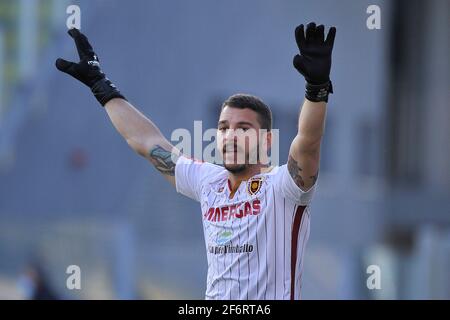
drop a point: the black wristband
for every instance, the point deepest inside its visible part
(104, 90)
(318, 92)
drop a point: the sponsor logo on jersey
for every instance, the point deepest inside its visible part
(228, 212)
(224, 237)
(228, 248)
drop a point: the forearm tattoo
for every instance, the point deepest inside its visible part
(294, 170)
(162, 160)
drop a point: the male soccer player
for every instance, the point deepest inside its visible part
(255, 218)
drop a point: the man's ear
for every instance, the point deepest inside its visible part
(266, 137)
(269, 140)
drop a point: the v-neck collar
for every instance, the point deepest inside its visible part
(237, 189)
(228, 183)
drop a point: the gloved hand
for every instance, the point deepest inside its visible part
(88, 70)
(314, 60)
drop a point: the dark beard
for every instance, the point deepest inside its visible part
(237, 169)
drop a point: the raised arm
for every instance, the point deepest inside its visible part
(143, 136)
(140, 132)
(314, 63)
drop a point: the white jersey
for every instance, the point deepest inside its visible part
(255, 241)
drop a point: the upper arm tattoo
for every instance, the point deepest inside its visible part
(314, 177)
(294, 170)
(162, 160)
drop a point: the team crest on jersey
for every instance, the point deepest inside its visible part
(254, 185)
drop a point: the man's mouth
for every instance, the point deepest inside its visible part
(230, 149)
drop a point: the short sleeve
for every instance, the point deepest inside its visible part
(286, 185)
(190, 175)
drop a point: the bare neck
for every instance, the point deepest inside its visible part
(236, 178)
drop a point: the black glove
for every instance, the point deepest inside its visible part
(314, 60)
(88, 70)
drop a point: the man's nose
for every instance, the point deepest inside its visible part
(230, 134)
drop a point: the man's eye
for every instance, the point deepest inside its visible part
(222, 128)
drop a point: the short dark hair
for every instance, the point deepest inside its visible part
(247, 101)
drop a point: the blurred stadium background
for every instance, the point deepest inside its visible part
(72, 192)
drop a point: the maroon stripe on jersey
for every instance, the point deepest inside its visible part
(294, 243)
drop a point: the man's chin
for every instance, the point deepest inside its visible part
(235, 168)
